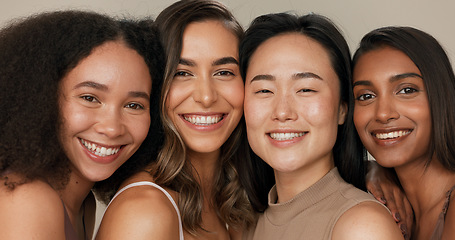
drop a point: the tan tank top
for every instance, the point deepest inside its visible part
(437, 233)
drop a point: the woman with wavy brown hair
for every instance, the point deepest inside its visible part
(201, 107)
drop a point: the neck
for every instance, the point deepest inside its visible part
(289, 184)
(204, 167)
(74, 194)
(425, 186)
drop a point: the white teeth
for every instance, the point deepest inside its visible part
(100, 151)
(285, 136)
(203, 120)
(391, 135)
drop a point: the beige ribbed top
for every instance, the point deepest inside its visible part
(311, 214)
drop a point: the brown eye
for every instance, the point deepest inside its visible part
(365, 97)
(89, 98)
(135, 106)
(408, 90)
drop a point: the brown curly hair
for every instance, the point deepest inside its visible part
(35, 54)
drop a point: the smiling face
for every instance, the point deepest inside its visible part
(391, 113)
(105, 105)
(292, 104)
(205, 100)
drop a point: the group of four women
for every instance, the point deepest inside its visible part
(191, 128)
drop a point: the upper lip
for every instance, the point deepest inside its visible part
(102, 145)
(203, 114)
(388, 130)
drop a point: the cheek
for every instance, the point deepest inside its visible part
(139, 128)
(320, 111)
(75, 119)
(177, 94)
(360, 117)
(254, 111)
(234, 93)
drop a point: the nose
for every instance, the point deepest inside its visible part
(205, 91)
(386, 110)
(110, 123)
(283, 109)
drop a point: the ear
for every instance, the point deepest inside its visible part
(342, 112)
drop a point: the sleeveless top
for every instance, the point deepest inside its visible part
(437, 233)
(70, 233)
(147, 183)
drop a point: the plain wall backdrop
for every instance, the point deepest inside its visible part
(354, 17)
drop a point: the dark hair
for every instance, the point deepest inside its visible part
(172, 170)
(438, 77)
(348, 151)
(35, 55)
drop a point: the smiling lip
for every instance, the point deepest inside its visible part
(204, 121)
(101, 153)
(285, 138)
(388, 137)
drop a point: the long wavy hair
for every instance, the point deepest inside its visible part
(437, 74)
(35, 55)
(348, 151)
(172, 169)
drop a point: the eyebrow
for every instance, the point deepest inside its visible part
(217, 62)
(392, 79)
(296, 76)
(225, 60)
(91, 84)
(104, 88)
(187, 62)
(404, 75)
(138, 94)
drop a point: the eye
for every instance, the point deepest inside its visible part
(181, 74)
(135, 106)
(263, 91)
(224, 73)
(408, 90)
(365, 97)
(89, 98)
(305, 90)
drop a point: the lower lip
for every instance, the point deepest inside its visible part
(286, 143)
(205, 128)
(99, 159)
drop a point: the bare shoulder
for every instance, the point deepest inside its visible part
(32, 210)
(138, 213)
(367, 220)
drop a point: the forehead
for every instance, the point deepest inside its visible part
(209, 36)
(291, 53)
(383, 62)
(111, 63)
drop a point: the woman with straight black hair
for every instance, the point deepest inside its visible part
(404, 87)
(298, 112)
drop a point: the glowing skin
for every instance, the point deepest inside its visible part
(105, 104)
(292, 107)
(391, 114)
(205, 100)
